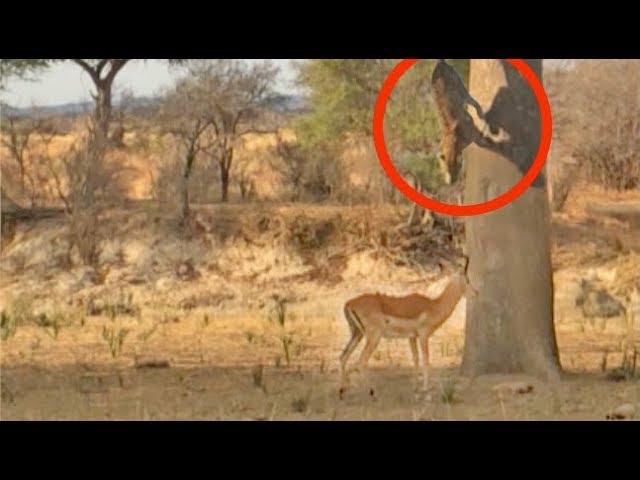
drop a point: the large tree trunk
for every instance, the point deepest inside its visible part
(509, 326)
(103, 109)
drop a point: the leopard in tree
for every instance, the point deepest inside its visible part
(459, 129)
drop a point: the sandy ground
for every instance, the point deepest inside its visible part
(192, 368)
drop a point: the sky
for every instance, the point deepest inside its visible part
(67, 83)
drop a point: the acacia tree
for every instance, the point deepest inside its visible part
(21, 68)
(102, 73)
(509, 324)
(235, 95)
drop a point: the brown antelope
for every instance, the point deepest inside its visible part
(415, 317)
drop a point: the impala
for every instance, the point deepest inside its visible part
(415, 317)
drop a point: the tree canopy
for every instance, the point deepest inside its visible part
(19, 68)
(342, 95)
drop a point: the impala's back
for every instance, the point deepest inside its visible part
(393, 317)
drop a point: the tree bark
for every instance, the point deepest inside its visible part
(103, 85)
(184, 200)
(103, 108)
(509, 327)
(224, 185)
(225, 173)
(185, 210)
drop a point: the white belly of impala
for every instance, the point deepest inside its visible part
(400, 328)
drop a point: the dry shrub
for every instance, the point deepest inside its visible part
(93, 183)
(83, 213)
(166, 181)
(596, 107)
(561, 189)
(84, 235)
(310, 173)
(310, 234)
(19, 312)
(614, 166)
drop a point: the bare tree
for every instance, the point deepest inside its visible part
(235, 95)
(17, 133)
(186, 117)
(292, 164)
(597, 112)
(21, 68)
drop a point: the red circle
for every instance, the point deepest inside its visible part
(462, 210)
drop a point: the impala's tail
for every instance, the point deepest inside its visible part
(355, 324)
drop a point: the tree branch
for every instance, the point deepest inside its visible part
(101, 64)
(87, 68)
(116, 66)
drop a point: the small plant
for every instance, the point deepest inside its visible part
(448, 390)
(603, 364)
(115, 339)
(287, 341)
(7, 325)
(52, 324)
(122, 304)
(301, 404)
(629, 362)
(22, 309)
(627, 369)
(249, 336)
(19, 312)
(6, 394)
(146, 335)
(279, 310)
(257, 373)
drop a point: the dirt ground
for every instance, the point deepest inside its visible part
(213, 372)
(216, 347)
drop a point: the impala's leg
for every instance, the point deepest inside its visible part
(414, 352)
(356, 336)
(373, 339)
(424, 344)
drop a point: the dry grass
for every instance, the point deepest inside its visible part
(213, 371)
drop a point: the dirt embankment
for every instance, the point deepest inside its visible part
(241, 254)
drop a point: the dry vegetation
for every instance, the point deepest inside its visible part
(241, 319)
(236, 314)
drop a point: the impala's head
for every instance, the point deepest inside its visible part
(459, 275)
